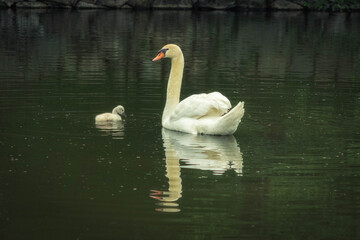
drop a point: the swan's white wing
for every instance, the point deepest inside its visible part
(201, 105)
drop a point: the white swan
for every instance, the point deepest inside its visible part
(116, 115)
(199, 113)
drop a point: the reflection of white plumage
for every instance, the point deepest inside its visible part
(115, 115)
(200, 113)
(215, 153)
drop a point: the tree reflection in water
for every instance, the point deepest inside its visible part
(215, 153)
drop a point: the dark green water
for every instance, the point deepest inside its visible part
(291, 171)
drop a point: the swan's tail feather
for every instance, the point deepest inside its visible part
(232, 119)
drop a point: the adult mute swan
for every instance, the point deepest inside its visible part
(199, 113)
(116, 115)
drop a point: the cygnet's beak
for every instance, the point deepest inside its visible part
(123, 114)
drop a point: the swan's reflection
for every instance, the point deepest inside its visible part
(215, 153)
(115, 129)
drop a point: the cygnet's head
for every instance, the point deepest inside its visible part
(119, 110)
(168, 51)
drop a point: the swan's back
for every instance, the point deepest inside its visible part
(205, 114)
(107, 117)
(201, 105)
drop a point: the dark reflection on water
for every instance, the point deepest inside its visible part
(63, 177)
(115, 129)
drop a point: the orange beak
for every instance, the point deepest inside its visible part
(159, 56)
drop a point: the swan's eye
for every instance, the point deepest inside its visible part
(164, 50)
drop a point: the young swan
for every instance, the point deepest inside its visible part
(116, 115)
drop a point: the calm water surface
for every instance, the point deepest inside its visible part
(291, 171)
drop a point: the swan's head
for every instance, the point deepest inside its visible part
(168, 51)
(119, 110)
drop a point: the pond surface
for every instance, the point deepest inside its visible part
(290, 171)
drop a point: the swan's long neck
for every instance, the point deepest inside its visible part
(174, 84)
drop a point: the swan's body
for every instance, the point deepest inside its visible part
(114, 116)
(200, 113)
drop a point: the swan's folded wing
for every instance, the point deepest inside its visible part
(201, 105)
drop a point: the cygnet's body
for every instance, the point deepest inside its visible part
(116, 115)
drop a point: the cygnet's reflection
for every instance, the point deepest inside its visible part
(215, 153)
(115, 129)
